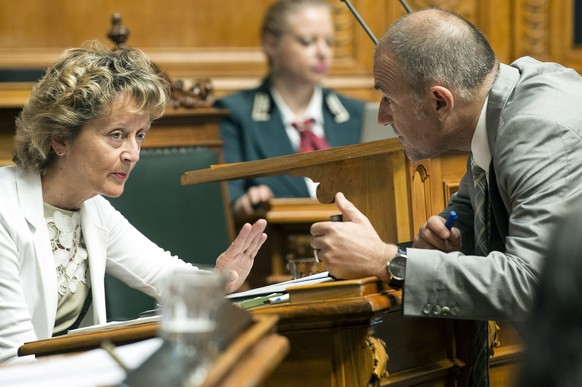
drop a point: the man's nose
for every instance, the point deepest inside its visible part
(385, 114)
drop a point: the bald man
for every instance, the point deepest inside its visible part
(443, 89)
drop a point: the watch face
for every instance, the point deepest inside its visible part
(398, 267)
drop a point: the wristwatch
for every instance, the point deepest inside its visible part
(397, 269)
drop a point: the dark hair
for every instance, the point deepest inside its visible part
(81, 86)
(437, 46)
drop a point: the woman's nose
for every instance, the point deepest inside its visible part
(324, 49)
(131, 151)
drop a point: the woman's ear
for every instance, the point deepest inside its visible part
(267, 46)
(443, 101)
(59, 145)
(270, 47)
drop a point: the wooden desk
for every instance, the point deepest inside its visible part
(288, 220)
(372, 175)
(296, 210)
(333, 342)
(396, 195)
(90, 340)
(372, 167)
(330, 332)
(246, 362)
(334, 328)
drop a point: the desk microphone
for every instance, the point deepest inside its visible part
(361, 21)
(406, 7)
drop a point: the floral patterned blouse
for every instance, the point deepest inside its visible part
(70, 256)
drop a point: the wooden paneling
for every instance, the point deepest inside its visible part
(152, 23)
(187, 39)
(220, 39)
(7, 130)
(433, 182)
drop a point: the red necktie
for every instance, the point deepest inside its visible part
(309, 141)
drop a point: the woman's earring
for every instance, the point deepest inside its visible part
(60, 153)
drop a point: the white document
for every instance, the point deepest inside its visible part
(90, 369)
(115, 324)
(281, 287)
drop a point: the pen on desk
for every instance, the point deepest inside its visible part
(110, 349)
(451, 219)
(280, 298)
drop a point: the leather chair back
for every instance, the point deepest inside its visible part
(193, 222)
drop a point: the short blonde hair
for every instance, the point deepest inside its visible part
(83, 85)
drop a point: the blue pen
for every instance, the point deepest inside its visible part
(451, 220)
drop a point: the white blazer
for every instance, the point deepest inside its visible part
(28, 288)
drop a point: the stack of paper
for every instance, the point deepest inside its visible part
(276, 293)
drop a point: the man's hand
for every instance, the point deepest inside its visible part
(352, 248)
(434, 235)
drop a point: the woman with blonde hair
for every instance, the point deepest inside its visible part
(78, 138)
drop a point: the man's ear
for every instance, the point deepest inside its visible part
(443, 101)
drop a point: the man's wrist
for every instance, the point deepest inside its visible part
(388, 254)
(396, 269)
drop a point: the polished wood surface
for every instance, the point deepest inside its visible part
(288, 223)
(332, 338)
(394, 193)
(228, 50)
(328, 341)
(331, 332)
(373, 176)
(389, 190)
(251, 357)
(433, 181)
(180, 39)
(372, 167)
(89, 340)
(187, 127)
(295, 210)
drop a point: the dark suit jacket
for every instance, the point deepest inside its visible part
(254, 130)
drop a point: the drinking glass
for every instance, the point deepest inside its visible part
(191, 300)
(302, 267)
